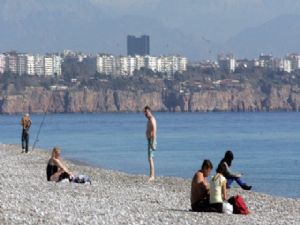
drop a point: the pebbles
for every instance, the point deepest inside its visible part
(115, 197)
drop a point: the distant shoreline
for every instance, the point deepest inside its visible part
(140, 112)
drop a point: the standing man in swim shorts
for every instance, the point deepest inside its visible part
(151, 139)
(26, 123)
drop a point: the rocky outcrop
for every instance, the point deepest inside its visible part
(246, 98)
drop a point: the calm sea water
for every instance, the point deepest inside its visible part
(266, 145)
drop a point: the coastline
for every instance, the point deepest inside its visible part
(115, 197)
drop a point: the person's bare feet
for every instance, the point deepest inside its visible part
(151, 179)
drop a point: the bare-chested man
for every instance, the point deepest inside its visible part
(151, 139)
(200, 188)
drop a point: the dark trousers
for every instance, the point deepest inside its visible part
(201, 206)
(204, 206)
(25, 140)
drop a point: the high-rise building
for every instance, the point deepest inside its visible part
(106, 64)
(12, 59)
(39, 66)
(48, 63)
(295, 61)
(2, 63)
(30, 65)
(138, 45)
(151, 63)
(21, 64)
(57, 61)
(126, 65)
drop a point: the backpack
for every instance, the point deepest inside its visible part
(239, 205)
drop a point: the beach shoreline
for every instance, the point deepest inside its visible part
(115, 197)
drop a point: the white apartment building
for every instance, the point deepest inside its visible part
(131, 65)
(2, 63)
(159, 64)
(12, 60)
(57, 61)
(151, 62)
(295, 61)
(283, 65)
(52, 65)
(167, 64)
(21, 64)
(126, 65)
(140, 62)
(48, 64)
(106, 64)
(30, 65)
(39, 66)
(182, 64)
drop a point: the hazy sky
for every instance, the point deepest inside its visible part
(216, 19)
(199, 22)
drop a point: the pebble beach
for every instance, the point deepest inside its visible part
(115, 197)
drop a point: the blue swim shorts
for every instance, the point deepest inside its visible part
(151, 147)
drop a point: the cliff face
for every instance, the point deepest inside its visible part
(37, 100)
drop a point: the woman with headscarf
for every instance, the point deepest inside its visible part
(230, 175)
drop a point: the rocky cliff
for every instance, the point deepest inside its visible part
(246, 98)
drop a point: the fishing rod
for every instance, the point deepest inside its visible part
(42, 123)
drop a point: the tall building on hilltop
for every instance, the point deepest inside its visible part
(138, 45)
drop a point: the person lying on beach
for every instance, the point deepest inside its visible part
(218, 191)
(56, 169)
(200, 188)
(229, 175)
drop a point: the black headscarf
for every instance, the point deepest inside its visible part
(228, 158)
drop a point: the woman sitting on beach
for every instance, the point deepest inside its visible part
(218, 191)
(56, 170)
(200, 188)
(228, 174)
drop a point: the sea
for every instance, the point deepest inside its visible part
(265, 144)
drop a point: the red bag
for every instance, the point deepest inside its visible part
(239, 205)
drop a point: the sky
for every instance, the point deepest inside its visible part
(204, 17)
(204, 24)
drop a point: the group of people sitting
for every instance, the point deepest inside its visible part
(209, 196)
(205, 196)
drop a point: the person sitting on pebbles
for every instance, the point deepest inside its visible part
(225, 163)
(200, 188)
(56, 169)
(218, 191)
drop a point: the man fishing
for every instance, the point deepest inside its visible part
(26, 123)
